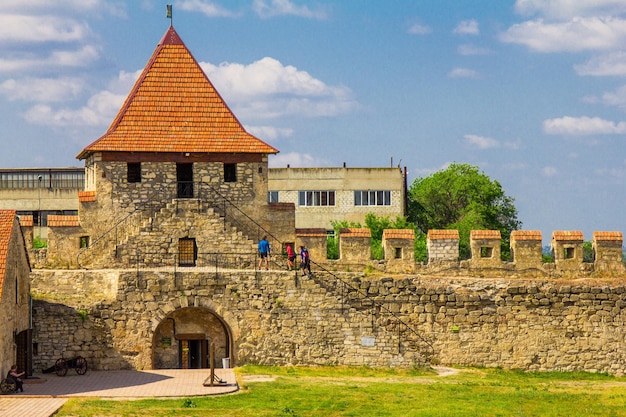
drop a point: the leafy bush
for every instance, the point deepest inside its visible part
(332, 247)
(39, 243)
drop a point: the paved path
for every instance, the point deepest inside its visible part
(44, 395)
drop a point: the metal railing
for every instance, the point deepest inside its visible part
(122, 228)
(226, 263)
(354, 294)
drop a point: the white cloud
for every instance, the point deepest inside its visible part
(566, 9)
(613, 64)
(101, 108)
(468, 50)
(23, 28)
(285, 7)
(124, 81)
(268, 89)
(617, 98)
(549, 171)
(269, 133)
(295, 159)
(463, 73)
(578, 34)
(482, 142)
(77, 58)
(419, 29)
(579, 126)
(467, 27)
(115, 8)
(42, 90)
(208, 8)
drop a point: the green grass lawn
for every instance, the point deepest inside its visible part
(355, 391)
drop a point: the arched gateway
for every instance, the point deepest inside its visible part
(182, 340)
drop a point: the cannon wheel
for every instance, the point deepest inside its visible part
(7, 386)
(60, 367)
(81, 365)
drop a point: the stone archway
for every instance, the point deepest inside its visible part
(183, 338)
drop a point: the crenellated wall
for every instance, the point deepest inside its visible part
(276, 318)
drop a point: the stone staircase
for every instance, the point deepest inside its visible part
(153, 242)
(353, 302)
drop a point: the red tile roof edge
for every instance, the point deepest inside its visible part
(355, 232)
(485, 234)
(55, 220)
(442, 234)
(575, 235)
(608, 236)
(26, 220)
(398, 234)
(526, 235)
(86, 196)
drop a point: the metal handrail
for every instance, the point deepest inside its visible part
(374, 302)
(115, 227)
(202, 187)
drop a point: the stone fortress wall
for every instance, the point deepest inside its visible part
(568, 315)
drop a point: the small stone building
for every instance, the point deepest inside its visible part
(567, 249)
(607, 251)
(355, 245)
(399, 250)
(485, 247)
(443, 246)
(15, 334)
(526, 250)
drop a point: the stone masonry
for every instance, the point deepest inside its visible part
(275, 318)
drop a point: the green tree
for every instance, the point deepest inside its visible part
(463, 198)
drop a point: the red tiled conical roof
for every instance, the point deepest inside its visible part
(173, 107)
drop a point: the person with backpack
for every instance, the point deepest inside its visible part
(305, 261)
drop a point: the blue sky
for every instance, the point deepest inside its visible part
(531, 91)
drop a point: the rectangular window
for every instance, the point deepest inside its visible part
(316, 198)
(42, 179)
(84, 242)
(133, 173)
(230, 172)
(272, 196)
(372, 198)
(187, 252)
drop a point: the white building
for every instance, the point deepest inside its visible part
(322, 195)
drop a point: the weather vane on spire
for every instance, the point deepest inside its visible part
(169, 13)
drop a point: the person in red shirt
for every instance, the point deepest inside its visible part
(291, 258)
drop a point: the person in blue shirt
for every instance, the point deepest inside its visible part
(264, 252)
